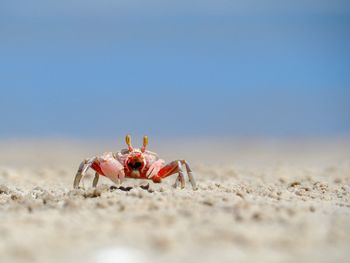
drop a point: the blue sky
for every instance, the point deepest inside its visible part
(174, 68)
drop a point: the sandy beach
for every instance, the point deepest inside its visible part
(258, 201)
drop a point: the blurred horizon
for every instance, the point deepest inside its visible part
(81, 69)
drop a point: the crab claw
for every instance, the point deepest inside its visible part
(112, 168)
(155, 168)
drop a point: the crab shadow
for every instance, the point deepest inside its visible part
(128, 188)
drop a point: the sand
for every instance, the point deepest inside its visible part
(258, 201)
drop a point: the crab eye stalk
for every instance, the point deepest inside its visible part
(128, 142)
(145, 142)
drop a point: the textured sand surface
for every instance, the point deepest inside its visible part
(258, 201)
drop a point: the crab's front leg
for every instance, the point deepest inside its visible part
(173, 168)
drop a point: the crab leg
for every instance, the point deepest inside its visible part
(95, 181)
(177, 181)
(190, 174)
(84, 166)
(176, 167)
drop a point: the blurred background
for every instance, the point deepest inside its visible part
(93, 69)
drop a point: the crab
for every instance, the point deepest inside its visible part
(136, 164)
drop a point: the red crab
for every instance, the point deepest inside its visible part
(134, 163)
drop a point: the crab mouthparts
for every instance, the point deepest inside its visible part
(135, 165)
(135, 173)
